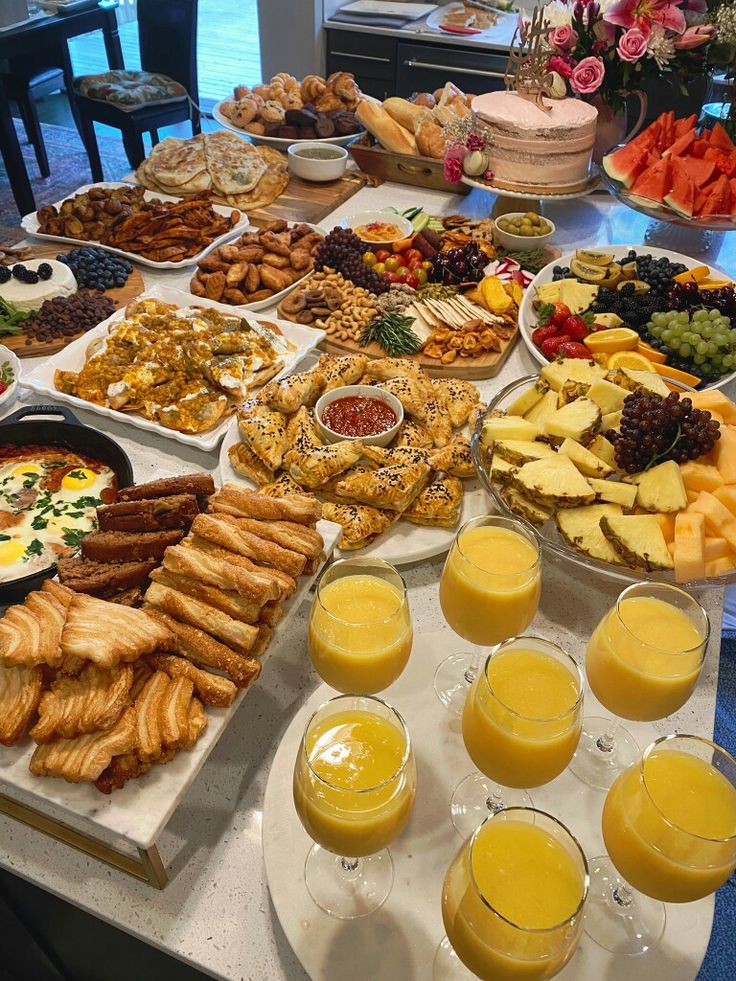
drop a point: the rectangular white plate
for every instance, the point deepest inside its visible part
(138, 813)
(72, 358)
(31, 224)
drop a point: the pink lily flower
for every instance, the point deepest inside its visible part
(644, 13)
(694, 37)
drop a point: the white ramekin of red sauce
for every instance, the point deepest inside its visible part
(360, 412)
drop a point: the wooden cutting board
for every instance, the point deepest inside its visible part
(308, 200)
(134, 286)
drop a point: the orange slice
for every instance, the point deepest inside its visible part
(682, 376)
(650, 353)
(630, 359)
(612, 340)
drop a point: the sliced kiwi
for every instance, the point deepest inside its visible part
(593, 258)
(630, 270)
(586, 272)
(613, 276)
(639, 285)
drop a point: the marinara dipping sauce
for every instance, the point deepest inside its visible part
(359, 415)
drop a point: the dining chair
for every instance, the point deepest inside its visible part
(162, 93)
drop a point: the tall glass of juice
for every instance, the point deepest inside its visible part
(643, 662)
(354, 790)
(489, 591)
(513, 899)
(669, 824)
(360, 630)
(521, 724)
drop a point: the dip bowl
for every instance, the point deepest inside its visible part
(382, 438)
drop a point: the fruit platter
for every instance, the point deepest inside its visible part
(642, 308)
(674, 172)
(615, 472)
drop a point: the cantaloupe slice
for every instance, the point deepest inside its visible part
(689, 547)
(700, 476)
(715, 548)
(727, 496)
(667, 521)
(718, 519)
(719, 567)
(725, 455)
(715, 401)
(692, 495)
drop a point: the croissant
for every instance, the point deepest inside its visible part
(343, 85)
(328, 101)
(242, 92)
(312, 86)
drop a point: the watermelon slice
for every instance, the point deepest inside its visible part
(720, 138)
(682, 196)
(732, 182)
(726, 163)
(653, 156)
(647, 138)
(655, 182)
(699, 147)
(699, 203)
(683, 126)
(719, 199)
(700, 171)
(625, 164)
(682, 145)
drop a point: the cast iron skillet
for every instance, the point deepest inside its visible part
(72, 435)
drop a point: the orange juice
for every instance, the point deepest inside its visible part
(490, 585)
(535, 888)
(522, 719)
(644, 659)
(669, 824)
(360, 634)
(353, 797)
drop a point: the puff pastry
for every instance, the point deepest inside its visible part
(240, 636)
(318, 466)
(460, 397)
(301, 436)
(226, 530)
(84, 758)
(338, 371)
(437, 421)
(244, 503)
(20, 693)
(393, 488)
(383, 369)
(92, 701)
(361, 524)
(387, 456)
(454, 458)
(288, 394)
(327, 491)
(264, 430)
(283, 486)
(438, 505)
(31, 634)
(410, 392)
(245, 463)
(413, 433)
(108, 633)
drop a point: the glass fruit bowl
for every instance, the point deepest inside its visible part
(548, 534)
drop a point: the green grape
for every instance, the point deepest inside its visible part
(711, 349)
(714, 315)
(685, 350)
(728, 361)
(666, 335)
(659, 319)
(675, 344)
(706, 332)
(683, 318)
(699, 358)
(700, 315)
(702, 348)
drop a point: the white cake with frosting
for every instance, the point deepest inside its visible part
(30, 296)
(542, 149)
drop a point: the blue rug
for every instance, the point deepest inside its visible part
(720, 958)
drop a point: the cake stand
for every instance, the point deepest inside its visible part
(507, 198)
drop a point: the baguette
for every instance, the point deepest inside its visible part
(405, 113)
(384, 129)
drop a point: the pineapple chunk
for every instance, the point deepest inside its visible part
(612, 420)
(719, 521)
(667, 523)
(577, 420)
(552, 482)
(716, 548)
(614, 492)
(725, 455)
(604, 450)
(572, 390)
(727, 496)
(634, 381)
(715, 401)
(587, 463)
(520, 451)
(533, 512)
(507, 427)
(576, 295)
(549, 292)
(501, 470)
(543, 409)
(719, 567)
(638, 539)
(556, 373)
(607, 396)
(581, 528)
(662, 489)
(689, 554)
(700, 476)
(528, 399)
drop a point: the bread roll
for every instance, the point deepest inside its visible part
(380, 125)
(423, 99)
(431, 139)
(405, 113)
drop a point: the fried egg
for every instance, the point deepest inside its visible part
(48, 504)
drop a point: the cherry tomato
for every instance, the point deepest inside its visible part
(391, 277)
(380, 267)
(392, 263)
(428, 265)
(402, 271)
(414, 264)
(421, 275)
(369, 258)
(382, 254)
(412, 254)
(411, 280)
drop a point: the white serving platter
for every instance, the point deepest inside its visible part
(404, 542)
(400, 939)
(72, 358)
(139, 812)
(31, 224)
(276, 141)
(438, 18)
(528, 317)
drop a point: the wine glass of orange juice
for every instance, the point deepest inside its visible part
(489, 590)
(669, 825)
(360, 631)
(521, 724)
(512, 900)
(354, 790)
(643, 662)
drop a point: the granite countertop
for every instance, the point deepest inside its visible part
(215, 914)
(497, 38)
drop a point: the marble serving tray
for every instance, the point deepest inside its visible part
(135, 816)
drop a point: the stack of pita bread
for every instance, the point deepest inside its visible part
(236, 172)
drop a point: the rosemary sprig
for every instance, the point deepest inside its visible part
(532, 260)
(393, 333)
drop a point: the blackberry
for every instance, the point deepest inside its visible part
(19, 271)
(45, 271)
(5, 274)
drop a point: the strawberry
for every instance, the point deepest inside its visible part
(552, 344)
(540, 335)
(576, 328)
(571, 349)
(562, 312)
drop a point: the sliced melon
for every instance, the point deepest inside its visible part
(689, 552)
(700, 476)
(719, 521)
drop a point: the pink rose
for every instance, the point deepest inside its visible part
(452, 165)
(632, 45)
(587, 76)
(694, 37)
(563, 37)
(560, 65)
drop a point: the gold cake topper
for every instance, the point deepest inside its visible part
(526, 70)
